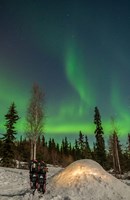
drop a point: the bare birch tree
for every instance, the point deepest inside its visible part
(35, 117)
(115, 150)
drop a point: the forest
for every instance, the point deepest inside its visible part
(110, 154)
(114, 157)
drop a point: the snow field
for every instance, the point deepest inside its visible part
(81, 180)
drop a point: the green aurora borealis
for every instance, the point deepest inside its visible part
(78, 53)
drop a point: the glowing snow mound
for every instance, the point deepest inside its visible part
(86, 179)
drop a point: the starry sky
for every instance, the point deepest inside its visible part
(78, 51)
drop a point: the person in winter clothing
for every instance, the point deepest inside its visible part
(42, 169)
(38, 175)
(33, 170)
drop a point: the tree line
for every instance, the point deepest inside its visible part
(115, 156)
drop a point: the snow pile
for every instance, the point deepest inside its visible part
(86, 179)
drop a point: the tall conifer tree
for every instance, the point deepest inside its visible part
(100, 143)
(8, 147)
(88, 153)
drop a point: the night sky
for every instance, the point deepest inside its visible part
(78, 51)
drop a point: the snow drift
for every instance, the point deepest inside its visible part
(86, 179)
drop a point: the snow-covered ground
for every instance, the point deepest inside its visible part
(15, 185)
(81, 180)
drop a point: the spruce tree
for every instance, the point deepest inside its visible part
(129, 143)
(0, 147)
(100, 143)
(128, 161)
(65, 146)
(81, 145)
(8, 147)
(76, 150)
(88, 153)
